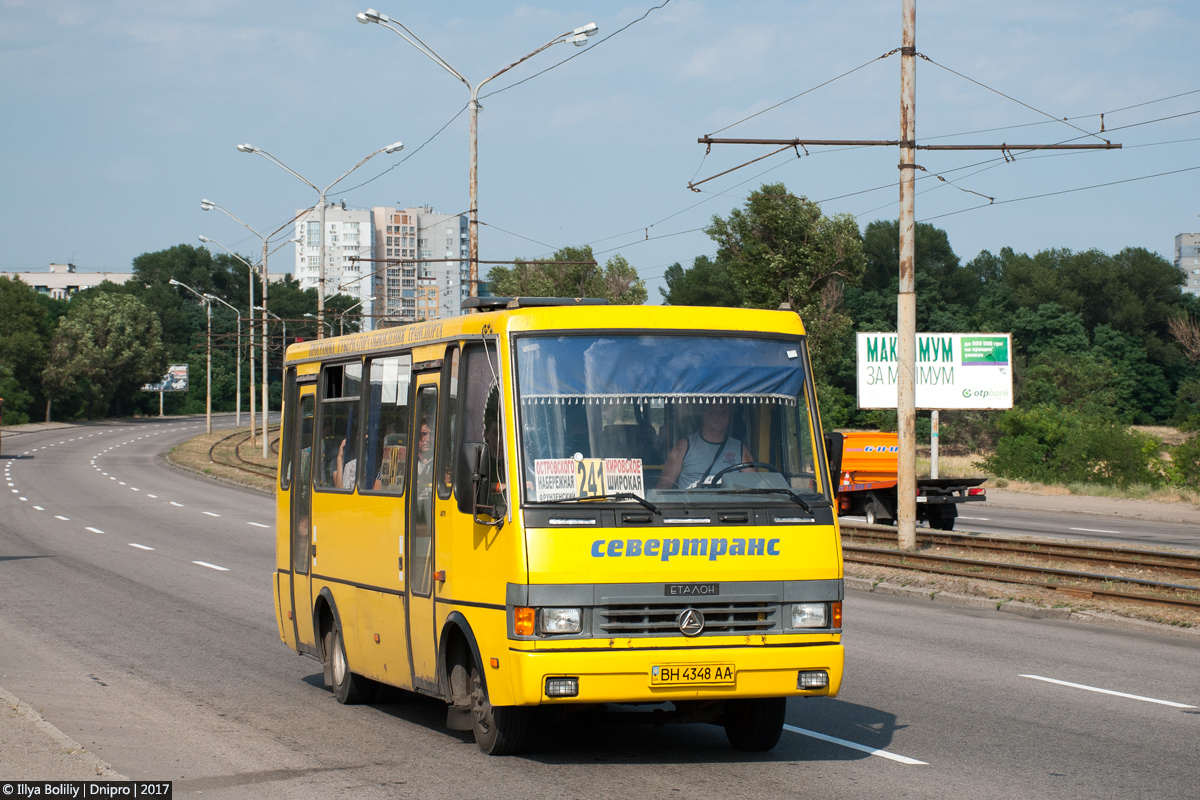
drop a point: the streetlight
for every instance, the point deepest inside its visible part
(238, 405)
(310, 315)
(342, 315)
(577, 37)
(209, 205)
(207, 240)
(282, 322)
(395, 147)
(208, 367)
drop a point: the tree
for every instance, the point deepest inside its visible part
(24, 338)
(705, 283)
(570, 275)
(780, 249)
(110, 344)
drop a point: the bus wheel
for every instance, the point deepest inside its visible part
(499, 730)
(754, 725)
(348, 688)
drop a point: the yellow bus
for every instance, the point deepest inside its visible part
(556, 502)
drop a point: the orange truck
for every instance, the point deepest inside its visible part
(867, 484)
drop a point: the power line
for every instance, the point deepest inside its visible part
(581, 52)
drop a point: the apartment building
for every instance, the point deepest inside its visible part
(349, 235)
(62, 281)
(421, 267)
(1187, 260)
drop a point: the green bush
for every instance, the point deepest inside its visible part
(1185, 464)
(1052, 444)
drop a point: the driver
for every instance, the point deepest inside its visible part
(695, 459)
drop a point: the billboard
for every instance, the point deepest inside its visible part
(954, 370)
(176, 380)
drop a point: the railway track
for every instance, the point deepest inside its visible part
(234, 442)
(1118, 583)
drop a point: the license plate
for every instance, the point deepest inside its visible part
(691, 674)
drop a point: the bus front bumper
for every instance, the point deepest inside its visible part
(664, 674)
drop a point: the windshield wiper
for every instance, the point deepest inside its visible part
(616, 496)
(797, 499)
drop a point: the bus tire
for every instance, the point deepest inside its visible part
(348, 688)
(499, 730)
(942, 523)
(754, 725)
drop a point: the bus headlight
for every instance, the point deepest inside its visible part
(809, 615)
(560, 620)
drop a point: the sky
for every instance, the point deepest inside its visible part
(119, 117)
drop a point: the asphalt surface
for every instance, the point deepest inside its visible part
(136, 622)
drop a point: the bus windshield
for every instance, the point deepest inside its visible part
(672, 418)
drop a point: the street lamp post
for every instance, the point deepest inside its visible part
(207, 240)
(342, 315)
(209, 205)
(311, 315)
(208, 366)
(578, 37)
(395, 147)
(238, 405)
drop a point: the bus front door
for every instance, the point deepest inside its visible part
(301, 519)
(423, 580)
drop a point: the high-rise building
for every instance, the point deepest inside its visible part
(348, 233)
(421, 269)
(1187, 259)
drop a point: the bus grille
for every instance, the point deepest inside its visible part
(646, 619)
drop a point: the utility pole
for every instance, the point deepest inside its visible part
(906, 301)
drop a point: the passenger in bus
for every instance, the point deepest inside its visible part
(695, 459)
(344, 472)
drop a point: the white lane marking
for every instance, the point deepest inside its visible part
(211, 514)
(64, 519)
(140, 546)
(122, 483)
(14, 491)
(1093, 530)
(152, 495)
(94, 530)
(177, 505)
(853, 745)
(39, 508)
(23, 499)
(978, 519)
(258, 524)
(211, 566)
(134, 488)
(1108, 691)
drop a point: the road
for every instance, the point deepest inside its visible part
(136, 616)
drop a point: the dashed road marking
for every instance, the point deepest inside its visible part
(140, 546)
(64, 519)
(854, 745)
(177, 505)
(1108, 691)
(1093, 530)
(211, 514)
(258, 524)
(94, 530)
(211, 566)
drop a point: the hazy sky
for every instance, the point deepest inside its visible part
(119, 116)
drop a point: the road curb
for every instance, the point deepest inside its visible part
(1022, 609)
(69, 746)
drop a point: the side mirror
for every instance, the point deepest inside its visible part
(473, 481)
(833, 456)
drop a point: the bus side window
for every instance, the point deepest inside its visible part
(387, 425)
(286, 445)
(337, 441)
(480, 380)
(448, 439)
